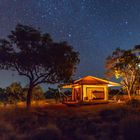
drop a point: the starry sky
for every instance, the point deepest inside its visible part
(93, 27)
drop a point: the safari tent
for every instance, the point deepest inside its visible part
(90, 88)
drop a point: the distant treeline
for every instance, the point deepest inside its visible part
(15, 93)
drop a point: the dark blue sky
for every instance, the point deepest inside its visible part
(93, 27)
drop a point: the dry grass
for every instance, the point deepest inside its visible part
(59, 122)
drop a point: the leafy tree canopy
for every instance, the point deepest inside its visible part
(124, 64)
(37, 56)
(37, 93)
(14, 93)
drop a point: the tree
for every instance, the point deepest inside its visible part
(36, 56)
(37, 93)
(54, 93)
(3, 97)
(124, 64)
(14, 93)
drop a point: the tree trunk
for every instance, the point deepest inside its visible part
(29, 97)
(129, 94)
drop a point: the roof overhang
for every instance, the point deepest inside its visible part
(66, 86)
(113, 84)
(101, 81)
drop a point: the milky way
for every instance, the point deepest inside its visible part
(93, 27)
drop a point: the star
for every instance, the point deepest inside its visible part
(69, 35)
(93, 27)
(126, 22)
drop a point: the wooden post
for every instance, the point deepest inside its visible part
(106, 93)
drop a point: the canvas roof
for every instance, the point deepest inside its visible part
(91, 80)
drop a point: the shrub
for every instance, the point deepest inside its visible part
(22, 120)
(7, 132)
(108, 131)
(130, 128)
(113, 115)
(50, 132)
(88, 127)
(133, 103)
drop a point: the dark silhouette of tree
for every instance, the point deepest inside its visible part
(58, 94)
(3, 95)
(36, 56)
(124, 64)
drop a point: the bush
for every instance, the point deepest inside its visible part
(133, 103)
(7, 132)
(108, 131)
(113, 115)
(50, 132)
(26, 123)
(130, 128)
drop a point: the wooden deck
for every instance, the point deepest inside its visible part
(74, 103)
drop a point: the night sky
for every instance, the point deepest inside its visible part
(93, 27)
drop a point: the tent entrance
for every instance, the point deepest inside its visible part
(95, 93)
